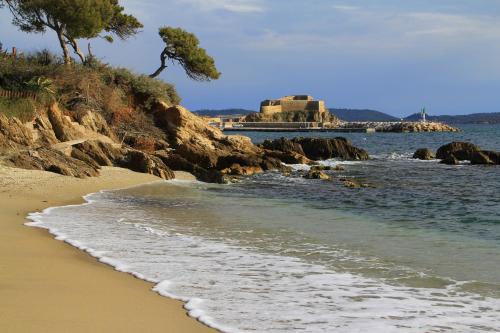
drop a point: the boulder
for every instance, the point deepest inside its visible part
(461, 151)
(494, 156)
(323, 149)
(283, 145)
(44, 131)
(179, 163)
(424, 154)
(93, 151)
(139, 161)
(64, 129)
(53, 161)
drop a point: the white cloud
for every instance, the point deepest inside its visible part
(345, 8)
(357, 29)
(235, 6)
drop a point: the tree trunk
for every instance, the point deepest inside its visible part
(163, 59)
(62, 42)
(77, 49)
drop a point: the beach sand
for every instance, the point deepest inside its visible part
(48, 286)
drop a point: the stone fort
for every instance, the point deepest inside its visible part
(292, 104)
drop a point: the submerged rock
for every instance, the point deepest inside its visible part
(316, 174)
(424, 154)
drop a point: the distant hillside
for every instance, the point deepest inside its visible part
(224, 112)
(362, 115)
(476, 118)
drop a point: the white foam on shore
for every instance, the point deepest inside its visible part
(242, 289)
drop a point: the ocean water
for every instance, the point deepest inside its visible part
(417, 252)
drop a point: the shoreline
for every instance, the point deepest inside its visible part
(49, 285)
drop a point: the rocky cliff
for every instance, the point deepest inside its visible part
(79, 143)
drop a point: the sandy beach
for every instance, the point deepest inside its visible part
(48, 286)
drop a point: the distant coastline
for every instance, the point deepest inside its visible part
(362, 115)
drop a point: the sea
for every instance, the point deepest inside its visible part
(417, 251)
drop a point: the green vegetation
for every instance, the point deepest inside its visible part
(21, 108)
(72, 20)
(98, 87)
(183, 47)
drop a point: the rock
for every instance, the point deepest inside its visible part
(494, 156)
(316, 174)
(450, 160)
(139, 161)
(351, 184)
(339, 168)
(321, 168)
(481, 158)
(179, 163)
(461, 151)
(95, 122)
(13, 133)
(283, 145)
(93, 150)
(53, 161)
(64, 129)
(206, 146)
(44, 133)
(323, 149)
(288, 157)
(424, 154)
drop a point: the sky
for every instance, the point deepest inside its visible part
(395, 56)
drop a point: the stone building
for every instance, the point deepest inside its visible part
(292, 104)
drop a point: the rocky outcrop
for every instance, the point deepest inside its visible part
(207, 147)
(462, 151)
(52, 160)
(424, 154)
(455, 152)
(303, 150)
(64, 129)
(13, 134)
(95, 122)
(324, 149)
(139, 161)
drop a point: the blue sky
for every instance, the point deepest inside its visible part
(394, 56)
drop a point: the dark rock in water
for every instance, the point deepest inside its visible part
(461, 151)
(283, 145)
(321, 168)
(288, 157)
(316, 149)
(323, 149)
(494, 156)
(179, 163)
(424, 154)
(480, 158)
(54, 161)
(450, 160)
(139, 161)
(316, 174)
